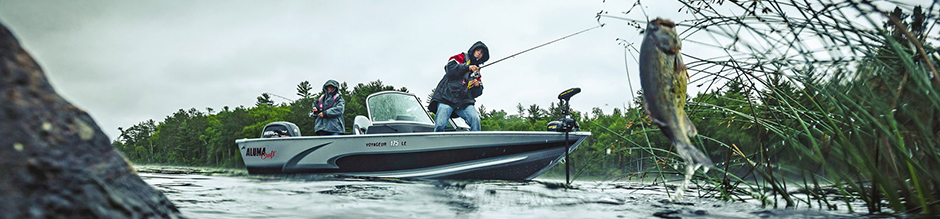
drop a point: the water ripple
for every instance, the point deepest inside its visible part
(239, 196)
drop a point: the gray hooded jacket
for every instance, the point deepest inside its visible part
(332, 105)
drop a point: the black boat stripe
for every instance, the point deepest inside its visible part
(293, 161)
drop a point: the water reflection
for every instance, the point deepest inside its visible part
(239, 196)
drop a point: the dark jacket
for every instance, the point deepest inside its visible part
(332, 105)
(452, 89)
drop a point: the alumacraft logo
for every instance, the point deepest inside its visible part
(259, 152)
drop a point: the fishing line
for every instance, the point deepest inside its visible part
(536, 47)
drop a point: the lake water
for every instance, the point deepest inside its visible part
(224, 194)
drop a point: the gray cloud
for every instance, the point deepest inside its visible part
(129, 61)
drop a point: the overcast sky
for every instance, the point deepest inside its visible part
(129, 61)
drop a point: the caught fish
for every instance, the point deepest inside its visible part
(664, 80)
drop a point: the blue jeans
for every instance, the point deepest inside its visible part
(468, 114)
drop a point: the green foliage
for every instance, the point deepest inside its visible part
(264, 99)
(195, 138)
(303, 90)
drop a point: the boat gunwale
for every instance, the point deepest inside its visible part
(464, 133)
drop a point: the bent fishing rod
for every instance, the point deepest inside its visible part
(476, 74)
(536, 47)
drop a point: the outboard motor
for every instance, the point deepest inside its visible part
(280, 129)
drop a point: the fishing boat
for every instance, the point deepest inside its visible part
(397, 140)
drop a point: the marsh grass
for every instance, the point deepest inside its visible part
(814, 100)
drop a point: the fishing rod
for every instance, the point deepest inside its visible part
(536, 47)
(282, 97)
(476, 74)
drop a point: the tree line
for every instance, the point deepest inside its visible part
(207, 138)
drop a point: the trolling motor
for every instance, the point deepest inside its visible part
(566, 125)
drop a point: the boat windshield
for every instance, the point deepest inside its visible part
(397, 107)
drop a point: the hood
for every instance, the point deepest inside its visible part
(486, 53)
(331, 83)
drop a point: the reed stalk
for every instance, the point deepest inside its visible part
(829, 94)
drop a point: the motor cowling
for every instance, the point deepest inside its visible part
(563, 125)
(280, 129)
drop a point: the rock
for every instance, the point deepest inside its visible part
(55, 162)
(670, 214)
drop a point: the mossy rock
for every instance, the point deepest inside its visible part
(55, 162)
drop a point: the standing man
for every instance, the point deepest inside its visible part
(328, 111)
(457, 91)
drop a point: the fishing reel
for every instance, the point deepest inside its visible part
(475, 75)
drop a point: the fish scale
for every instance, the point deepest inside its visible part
(664, 79)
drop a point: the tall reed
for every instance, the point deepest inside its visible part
(835, 97)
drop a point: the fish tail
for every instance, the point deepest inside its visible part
(692, 155)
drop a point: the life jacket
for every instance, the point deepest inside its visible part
(335, 96)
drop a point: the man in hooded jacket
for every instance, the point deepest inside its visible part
(328, 110)
(456, 93)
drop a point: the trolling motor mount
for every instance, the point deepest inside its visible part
(565, 124)
(568, 125)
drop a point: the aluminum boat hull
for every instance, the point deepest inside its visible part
(506, 155)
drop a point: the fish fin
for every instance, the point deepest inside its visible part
(679, 66)
(658, 123)
(692, 155)
(691, 131)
